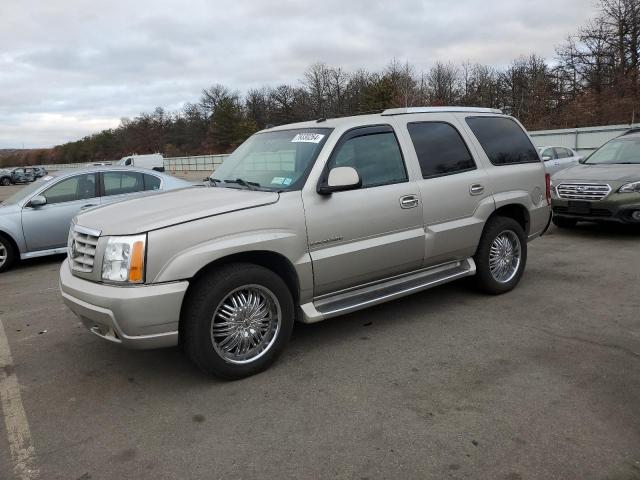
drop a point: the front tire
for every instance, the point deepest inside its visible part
(237, 320)
(564, 222)
(5, 181)
(501, 256)
(7, 254)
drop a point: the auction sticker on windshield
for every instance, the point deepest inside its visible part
(307, 138)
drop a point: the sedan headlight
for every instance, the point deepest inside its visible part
(123, 260)
(633, 187)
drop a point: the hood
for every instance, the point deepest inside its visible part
(161, 210)
(600, 173)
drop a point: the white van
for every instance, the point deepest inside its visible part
(152, 161)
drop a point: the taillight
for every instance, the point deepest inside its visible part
(547, 181)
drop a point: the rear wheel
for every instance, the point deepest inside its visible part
(7, 254)
(564, 222)
(501, 255)
(237, 320)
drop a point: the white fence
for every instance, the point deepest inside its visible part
(205, 163)
(583, 140)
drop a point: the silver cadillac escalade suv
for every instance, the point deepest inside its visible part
(306, 222)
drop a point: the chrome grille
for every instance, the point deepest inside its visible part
(583, 191)
(82, 248)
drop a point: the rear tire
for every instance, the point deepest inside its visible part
(501, 256)
(564, 222)
(237, 320)
(7, 254)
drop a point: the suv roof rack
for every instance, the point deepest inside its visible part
(631, 130)
(407, 110)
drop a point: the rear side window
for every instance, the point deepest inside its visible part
(503, 140)
(440, 149)
(121, 183)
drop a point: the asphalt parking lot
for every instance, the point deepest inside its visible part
(540, 383)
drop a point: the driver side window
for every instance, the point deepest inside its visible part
(72, 189)
(376, 157)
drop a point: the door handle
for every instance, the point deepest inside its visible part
(409, 201)
(84, 207)
(476, 189)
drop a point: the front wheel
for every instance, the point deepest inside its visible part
(237, 320)
(7, 254)
(501, 256)
(5, 182)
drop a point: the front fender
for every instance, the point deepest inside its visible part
(11, 226)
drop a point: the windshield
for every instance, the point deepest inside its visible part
(618, 151)
(278, 160)
(27, 190)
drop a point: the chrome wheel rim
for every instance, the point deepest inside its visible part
(505, 256)
(3, 254)
(245, 324)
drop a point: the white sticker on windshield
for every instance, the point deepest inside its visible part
(307, 138)
(47, 178)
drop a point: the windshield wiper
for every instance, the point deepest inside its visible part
(244, 183)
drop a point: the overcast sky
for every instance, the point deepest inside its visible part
(69, 68)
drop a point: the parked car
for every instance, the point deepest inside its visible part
(5, 177)
(40, 172)
(307, 222)
(16, 175)
(153, 161)
(35, 220)
(603, 188)
(558, 158)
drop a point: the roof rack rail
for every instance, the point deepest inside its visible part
(407, 110)
(631, 130)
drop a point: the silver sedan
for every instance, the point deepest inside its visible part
(35, 220)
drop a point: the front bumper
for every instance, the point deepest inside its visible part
(141, 317)
(597, 211)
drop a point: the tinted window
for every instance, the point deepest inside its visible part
(440, 149)
(151, 182)
(376, 157)
(503, 140)
(120, 183)
(79, 187)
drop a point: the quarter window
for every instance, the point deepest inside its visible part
(376, 157)
(121, 183)
(72, 189)
(151, 182)
(440, 149)
(503, 140)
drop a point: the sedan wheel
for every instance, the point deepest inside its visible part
(7, 254)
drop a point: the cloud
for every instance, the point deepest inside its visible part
(72, 67)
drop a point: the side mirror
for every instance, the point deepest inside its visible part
(38, 201)
(582, 160)
(339, 180)
(546, 158)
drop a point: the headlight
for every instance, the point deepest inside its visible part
(123, 259)
(633, 187)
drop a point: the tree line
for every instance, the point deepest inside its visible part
(593, 80)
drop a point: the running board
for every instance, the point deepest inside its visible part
(371, 294)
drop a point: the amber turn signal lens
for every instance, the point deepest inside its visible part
(136, 267)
